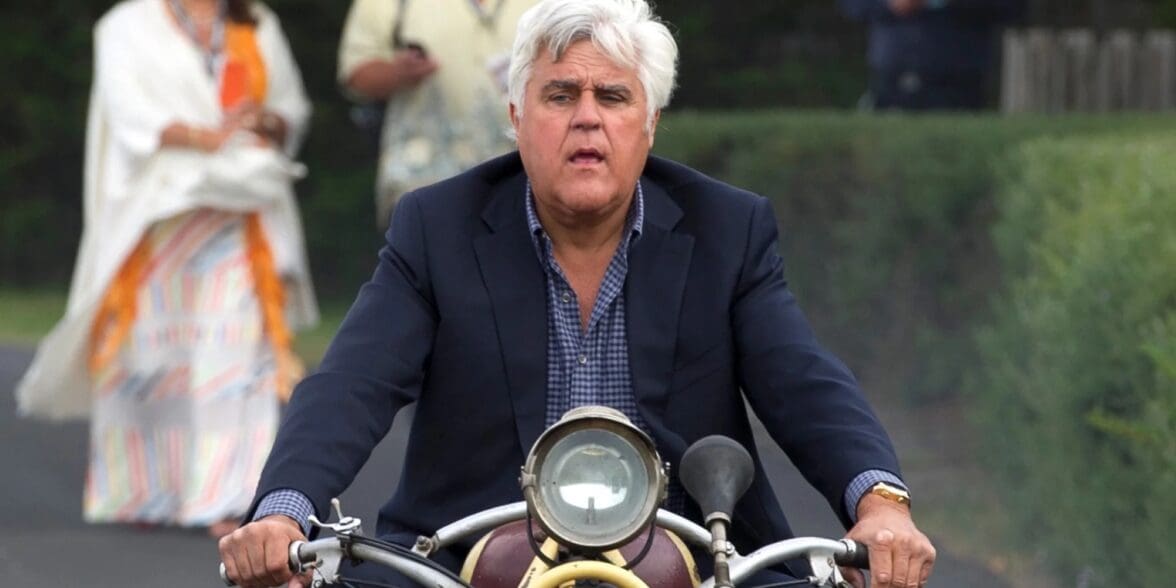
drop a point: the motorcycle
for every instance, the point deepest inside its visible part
(592, 483)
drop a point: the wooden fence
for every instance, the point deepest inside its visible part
(1079, 70)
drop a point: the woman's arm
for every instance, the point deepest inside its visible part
(188, 136)
(284, 116)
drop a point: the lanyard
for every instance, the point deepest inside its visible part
(488, 18)
(216, 39)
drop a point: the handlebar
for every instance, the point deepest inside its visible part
(823, 555)
(857, 556)
(302, 554)
(326, 554)
(332, 550)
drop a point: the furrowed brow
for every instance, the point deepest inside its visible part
(620, 89)
(561, 85)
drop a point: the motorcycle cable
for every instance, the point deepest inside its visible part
(535, 544)
(786, 584)
(398, 550)
(644, 550)
(353, 583)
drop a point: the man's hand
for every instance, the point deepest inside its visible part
(900, 555)
(258, 554)
(905, 7)
(412, 66)
(380, 79)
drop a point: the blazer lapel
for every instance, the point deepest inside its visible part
(658, 264)
(516, 285)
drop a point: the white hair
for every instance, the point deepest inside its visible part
(625, 31)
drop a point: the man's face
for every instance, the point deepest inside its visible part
(582, 134)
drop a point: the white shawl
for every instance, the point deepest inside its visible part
(147, 75)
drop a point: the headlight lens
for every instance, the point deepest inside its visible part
(593, 480)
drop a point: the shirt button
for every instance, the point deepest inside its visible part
(583, 359)
(566, 297)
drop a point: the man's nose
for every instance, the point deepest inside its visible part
(587, 114)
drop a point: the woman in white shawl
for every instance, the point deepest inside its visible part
(192, 270)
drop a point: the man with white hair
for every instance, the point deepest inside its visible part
(578, 271)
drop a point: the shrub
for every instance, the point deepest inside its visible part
(1076, 384)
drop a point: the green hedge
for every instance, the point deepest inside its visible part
(1076, 382)
(884, 222)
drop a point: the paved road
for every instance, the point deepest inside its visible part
(46, 544)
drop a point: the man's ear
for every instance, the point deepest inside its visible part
(653, 126)
(514, 117)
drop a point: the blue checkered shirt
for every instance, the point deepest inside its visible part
(588, 366)
(584, 366)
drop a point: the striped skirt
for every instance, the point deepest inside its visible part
(185, 414)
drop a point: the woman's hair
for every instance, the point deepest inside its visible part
(626, 31)
(241, 11)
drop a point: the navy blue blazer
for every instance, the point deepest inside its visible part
(454, 319)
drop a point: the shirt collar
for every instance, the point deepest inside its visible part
(634, 219)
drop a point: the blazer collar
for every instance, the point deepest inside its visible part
(515, 283)
(658, 266)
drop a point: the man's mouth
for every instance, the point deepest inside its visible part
(586, 156)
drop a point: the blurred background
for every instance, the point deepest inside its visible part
(1003, 280)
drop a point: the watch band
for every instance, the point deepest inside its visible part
(892, 493)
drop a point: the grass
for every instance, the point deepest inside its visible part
(310, 345)
(27, 315)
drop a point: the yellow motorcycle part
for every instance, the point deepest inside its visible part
(587, 570)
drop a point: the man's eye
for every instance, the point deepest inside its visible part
(612, 99)
(560, 98)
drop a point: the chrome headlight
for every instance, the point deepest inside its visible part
(593, 480)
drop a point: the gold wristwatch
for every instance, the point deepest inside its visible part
(891, 492)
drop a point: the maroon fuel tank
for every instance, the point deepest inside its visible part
(504, 556)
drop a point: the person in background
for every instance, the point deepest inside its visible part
(577, 271)
(931, 54)
(176, 342)
(440, 66)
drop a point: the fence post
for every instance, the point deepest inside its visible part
(1080, 51)
(1079, 70)
(1157, 65)
(1117, 62)
(1013, 87)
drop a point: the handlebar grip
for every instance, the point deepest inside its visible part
(224, 576)
(295, 563)
(857, 556)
